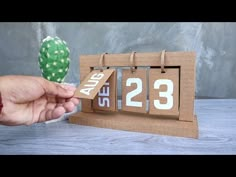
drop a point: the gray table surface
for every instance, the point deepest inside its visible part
(217, 135)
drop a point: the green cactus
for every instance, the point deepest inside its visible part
(54, 59)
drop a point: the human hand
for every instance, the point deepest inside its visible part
(27, 100)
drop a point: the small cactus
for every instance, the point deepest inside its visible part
(54, 59)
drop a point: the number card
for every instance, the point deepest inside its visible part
(93, 83)
(134, 90)
(106, 99)
(164, 92)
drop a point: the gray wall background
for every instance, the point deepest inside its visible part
(215, 44)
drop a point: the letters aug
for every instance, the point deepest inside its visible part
(92, 82)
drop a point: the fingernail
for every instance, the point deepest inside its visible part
(68, 87)
(70, 92)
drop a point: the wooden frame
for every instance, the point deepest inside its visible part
(186, 121)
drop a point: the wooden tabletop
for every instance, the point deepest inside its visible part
(217, 135)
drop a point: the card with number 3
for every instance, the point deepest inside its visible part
(164, 92)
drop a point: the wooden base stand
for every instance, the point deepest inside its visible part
(137, 123)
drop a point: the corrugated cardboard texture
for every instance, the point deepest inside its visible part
(107, 96)
(164, 94)
(137, 123)
(91, 85)
(134, 92)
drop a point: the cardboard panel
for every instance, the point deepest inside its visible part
(106, 99)
(184, 60)
(138, 123)
(134, 88)
(164, 92)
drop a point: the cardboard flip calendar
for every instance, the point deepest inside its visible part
(157, 96)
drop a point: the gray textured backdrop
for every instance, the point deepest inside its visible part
(214, 43)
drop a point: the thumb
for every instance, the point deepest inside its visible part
(59, 90)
